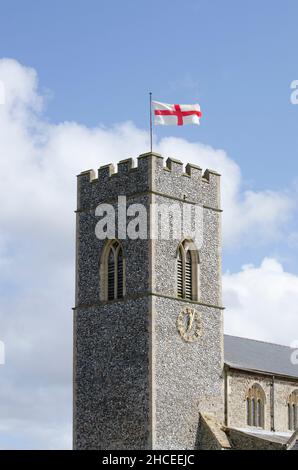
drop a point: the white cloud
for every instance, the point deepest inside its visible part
(38, 164)
(262, 302)
(2, 93)
(40, 158)
(248, 216)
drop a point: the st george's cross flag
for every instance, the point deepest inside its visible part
(176, 114)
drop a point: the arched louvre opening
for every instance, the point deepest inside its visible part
(115, 271)
(120, 274)
(187, 271)
(179, 274)
(188, 276)
(111, 275)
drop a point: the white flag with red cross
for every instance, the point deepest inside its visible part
(176, 114)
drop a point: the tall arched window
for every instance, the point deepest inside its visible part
(253, 412)
(248, 411)
(293, 411)
(187, 271)
(255, 406)
(112, 272)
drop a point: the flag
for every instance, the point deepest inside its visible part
(176, 114)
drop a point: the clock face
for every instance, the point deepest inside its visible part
(189, 324)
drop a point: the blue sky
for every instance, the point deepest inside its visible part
(92, 65)
(97, 60)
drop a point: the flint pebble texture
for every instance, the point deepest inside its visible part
(112, 380)
(187, 376)
(137, 383)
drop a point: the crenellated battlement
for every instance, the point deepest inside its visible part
(151, 173)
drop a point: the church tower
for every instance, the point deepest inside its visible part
(148, 318)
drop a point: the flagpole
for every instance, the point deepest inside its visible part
(150, 103)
